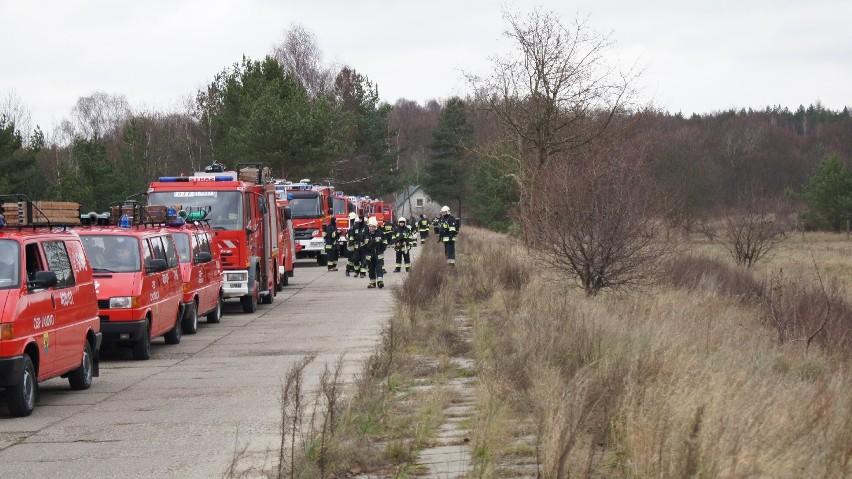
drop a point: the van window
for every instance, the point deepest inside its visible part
(157, 249)
(10, 264)
(58, 262)
(182, 245)
(147, 256)
(171, 253)
(205, 242)
(33, 261)
(112, 253)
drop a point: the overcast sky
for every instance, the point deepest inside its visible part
(725, 54)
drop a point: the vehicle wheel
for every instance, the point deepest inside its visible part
(190, 322)
(142, 347)
(322, 259)
(215, 316)
(268, 298)
(173, 336)
(278, 275)
(20, 398)
(249, 303)
(81, 378)
(286, 279)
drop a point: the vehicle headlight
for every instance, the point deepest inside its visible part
(120, 302)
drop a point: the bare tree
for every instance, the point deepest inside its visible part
(99, 114)
(597, 221)
(751, 230)
(12, 108)
(554, 93)
(299, 54)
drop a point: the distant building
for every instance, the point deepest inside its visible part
(413, 201)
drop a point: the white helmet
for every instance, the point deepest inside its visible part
(401, 219)
(445, 209)
(352, 216)
(373, 222)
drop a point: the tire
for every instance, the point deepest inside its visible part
(215, 316)
(173, 336)
(190, 322)
(20, 398)
(286, 279)
(249, 303)
(322, 259)
(81, 378)
(268, 298)
(278, 285)
(142, 346)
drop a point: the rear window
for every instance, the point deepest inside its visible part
(10, 264)
(112, 253)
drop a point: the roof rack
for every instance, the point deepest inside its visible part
(132, 213)
(20, 211)
(260, 173)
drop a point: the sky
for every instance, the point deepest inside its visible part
(694, 56)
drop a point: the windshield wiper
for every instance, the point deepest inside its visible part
(102, 270)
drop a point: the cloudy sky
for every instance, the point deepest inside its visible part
(696, 56)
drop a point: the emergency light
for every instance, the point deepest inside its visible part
(124, 222)
(182, 179)
(2, 221)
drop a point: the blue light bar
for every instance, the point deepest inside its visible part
(223, 178)
(173, 179)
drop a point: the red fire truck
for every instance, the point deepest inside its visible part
(244, 220)
(311, 207)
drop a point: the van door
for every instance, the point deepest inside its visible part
(36, 315)
(66, 341)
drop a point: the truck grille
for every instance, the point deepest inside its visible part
(302, 235)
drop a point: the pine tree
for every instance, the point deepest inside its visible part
(448, 175)
(828, 195)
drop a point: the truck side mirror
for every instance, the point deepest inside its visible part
(155, 266)
(288, 213)
(42, 280)
(203, 257)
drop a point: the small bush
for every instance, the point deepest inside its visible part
(424, 281)
(696, 273)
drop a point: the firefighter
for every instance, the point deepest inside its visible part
(423, 227)
(449, 227)
(331, 236)
(362, 260)
(373, 245)
(436, 225)
(387, 230)
(402, 239)
(353, 262)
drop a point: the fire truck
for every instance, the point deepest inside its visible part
(311, 207)
(244, 220)
(287, 254)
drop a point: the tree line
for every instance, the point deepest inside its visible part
(487, 155)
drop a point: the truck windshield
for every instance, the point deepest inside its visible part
(112, 253)
(182, 245)
(10, 264)
(340, 206)
(227, 206)
(306, 205)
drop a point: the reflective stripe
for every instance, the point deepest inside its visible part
(446, 239)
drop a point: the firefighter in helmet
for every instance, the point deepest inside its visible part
(373, 245)
(448, 228)
(402, 239)
(353, 239)
(331, 236)
(423, 228)
(387, 229)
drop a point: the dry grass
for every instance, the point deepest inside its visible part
(685, 380)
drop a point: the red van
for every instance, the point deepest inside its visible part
(137, 282)
(48, 311)
(201, 271)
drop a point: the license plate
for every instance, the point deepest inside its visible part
(317, 243)
(235, 285)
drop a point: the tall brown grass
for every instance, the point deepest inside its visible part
(687, 379)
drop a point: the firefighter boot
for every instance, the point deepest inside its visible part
(396, 270)
(381, 283)
(372, 284)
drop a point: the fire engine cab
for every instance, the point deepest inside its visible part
(137, 277)
(311, 207)
(49, 322)
(244, 223)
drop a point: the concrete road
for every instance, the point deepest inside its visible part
(183, 412)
